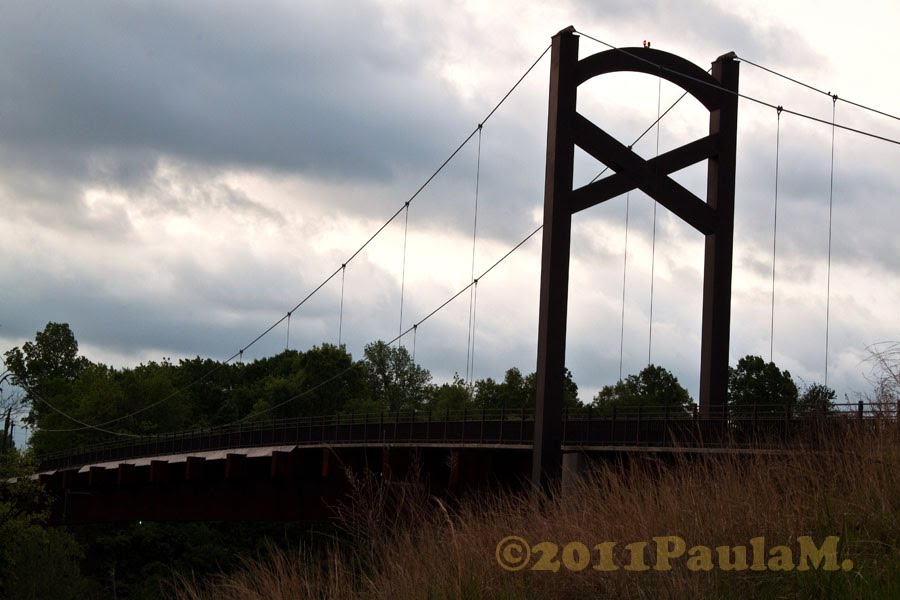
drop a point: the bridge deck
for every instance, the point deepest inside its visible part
(297, 469)
(481, 430)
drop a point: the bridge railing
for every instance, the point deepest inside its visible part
(466, 425)
(757, 425)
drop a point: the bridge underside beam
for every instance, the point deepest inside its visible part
(302, 485)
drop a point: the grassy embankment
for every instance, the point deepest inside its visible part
(407, 545)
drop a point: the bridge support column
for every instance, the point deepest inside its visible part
(719, 245)
(96, 477)
(326, 459)
(283, 464)
(126, 475)
(193, 468)
(551, 353)
(387, 473)
(159, 471)
(67, 481)
(396, 463)
(47, 479)
(453, 484)
(573, 468)
(235, 466)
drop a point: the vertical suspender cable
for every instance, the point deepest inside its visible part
(775, 235)
(341, 313)
(470, 339)
(627, 206)
(474, 310)
(834, 99)
(403, 273)
(287, 343)
(653, 251)
(624, 274)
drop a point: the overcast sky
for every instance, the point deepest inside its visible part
(175, 176)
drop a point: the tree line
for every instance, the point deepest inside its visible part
(64, 391)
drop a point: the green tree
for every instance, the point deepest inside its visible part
(208, 387)
(451, 397)
(36, 561)
(45, 367)
(394, 381)
(654, 387)
(332, 381)
(270, 387)
(53, 356)
(94, 397)
(321, 381)
(756, 384)
(514, 392)
(570, 390)
(816, 399)
(150, 394)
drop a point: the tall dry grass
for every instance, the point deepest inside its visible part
(405, 544)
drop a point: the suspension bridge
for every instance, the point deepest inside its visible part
(293, 469)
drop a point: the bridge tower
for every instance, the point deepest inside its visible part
(714, 218)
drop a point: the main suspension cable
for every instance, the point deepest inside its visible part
(834, 97)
